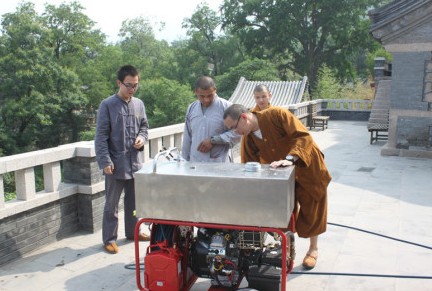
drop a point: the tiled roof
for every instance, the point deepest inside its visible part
(393, 10)
(400, 15)
(284, 93)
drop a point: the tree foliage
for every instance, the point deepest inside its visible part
(328, 87)
(189, 64)
(41, 98)
(217, 51)
(166, 101)
(71, 33)
(153, 58)
(202, 30)
(302, 35)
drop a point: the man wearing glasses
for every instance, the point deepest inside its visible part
(275, 136)
(205, 137)
(121, 132)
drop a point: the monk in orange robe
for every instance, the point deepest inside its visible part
(269, 137)
(262, 96)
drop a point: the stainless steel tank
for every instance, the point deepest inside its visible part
(220, 193)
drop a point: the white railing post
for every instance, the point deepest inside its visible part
(155, 146)
(146, 152)
(332, 104)
(52, 176)
(168, 141)
(25, 184)
(178, 139)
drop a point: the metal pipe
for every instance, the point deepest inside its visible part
(164, 153)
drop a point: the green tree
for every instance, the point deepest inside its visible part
(202, 30)
(328, 87)
(301, 35)
(71, 34)
(98, 75)
(80, 47)
(152, 57)
(166, 101)
(39, 97)
(189, 63)
(217, 51)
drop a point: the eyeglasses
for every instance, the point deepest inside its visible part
(238, 120)
(130, 86)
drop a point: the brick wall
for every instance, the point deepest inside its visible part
(407, 80)
(413, 131)
(407, 97)
(90, 211)
(347, 115)
(82, 170)
(29, 230)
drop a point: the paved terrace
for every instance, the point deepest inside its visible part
(389, 196)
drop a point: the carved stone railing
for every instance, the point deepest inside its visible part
(300, 109)
(343, 109)
(347, 105)
(57, 186)
(163, 137)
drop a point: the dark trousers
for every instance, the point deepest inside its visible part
(113, 191)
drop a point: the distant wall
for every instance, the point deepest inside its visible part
(342, 109)
(347, 115)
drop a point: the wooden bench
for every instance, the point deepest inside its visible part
(317, 120)
(378, 124)
(378, 131)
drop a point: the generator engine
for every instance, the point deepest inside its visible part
(225, 255)
(210, 248)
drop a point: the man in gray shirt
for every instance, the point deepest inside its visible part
(205, 137)
(121, 132)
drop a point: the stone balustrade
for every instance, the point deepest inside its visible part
(72, 182)
(348, 105)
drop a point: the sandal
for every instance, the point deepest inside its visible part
(309, 262)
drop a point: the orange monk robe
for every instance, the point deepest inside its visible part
(256, 108)
(283, 134)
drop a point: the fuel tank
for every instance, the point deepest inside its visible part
(220, 193)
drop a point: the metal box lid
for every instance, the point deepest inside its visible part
(223, 193)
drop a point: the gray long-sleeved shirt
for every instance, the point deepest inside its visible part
(201, 125)
(118, 124)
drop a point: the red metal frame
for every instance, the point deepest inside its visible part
(285, 269)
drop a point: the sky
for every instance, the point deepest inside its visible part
(109, 14)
